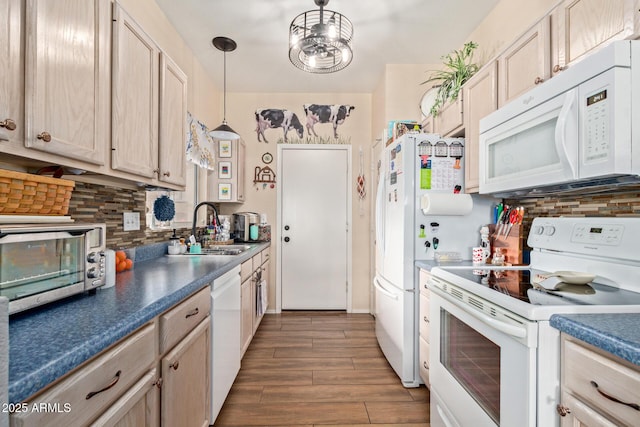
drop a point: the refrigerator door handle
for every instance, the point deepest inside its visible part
(379, 211)
(383, 290)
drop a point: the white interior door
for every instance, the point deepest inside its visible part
(314, 228)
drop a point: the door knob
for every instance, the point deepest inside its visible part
(286, 227)
(286, 239)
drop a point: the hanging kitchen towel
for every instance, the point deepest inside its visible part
(261, 297)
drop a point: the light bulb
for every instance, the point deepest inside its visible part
(345, 54)
(332, 32)
(312, 61)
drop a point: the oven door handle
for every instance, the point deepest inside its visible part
(508, 329)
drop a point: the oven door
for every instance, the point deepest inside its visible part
(482, 365)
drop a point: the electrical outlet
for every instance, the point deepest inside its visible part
(131, 221)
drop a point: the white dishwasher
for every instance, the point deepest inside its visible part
(225, 337)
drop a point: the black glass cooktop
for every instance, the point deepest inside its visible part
(518, 284)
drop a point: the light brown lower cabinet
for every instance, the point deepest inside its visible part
(158, 375)
(598, 388)
(185, 387)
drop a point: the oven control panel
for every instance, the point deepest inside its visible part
(611, 237)
(597, 234)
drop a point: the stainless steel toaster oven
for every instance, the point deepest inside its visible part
(40, 263)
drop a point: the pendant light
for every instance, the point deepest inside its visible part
(224, 131)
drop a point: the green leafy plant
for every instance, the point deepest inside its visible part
(459, 67)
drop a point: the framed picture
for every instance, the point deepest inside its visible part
(224, 170)
(224, 191)
(224, 148)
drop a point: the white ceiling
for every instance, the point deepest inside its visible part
(385, 32)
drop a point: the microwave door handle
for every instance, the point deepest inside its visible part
(561, 132)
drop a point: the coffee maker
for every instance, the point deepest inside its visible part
(242, 222)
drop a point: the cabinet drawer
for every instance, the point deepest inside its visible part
(266, 254)
(180, 320)
(246, 268)
(92, 388)
(424, 317)
(424, 279)
(424, 361)
(583, 367)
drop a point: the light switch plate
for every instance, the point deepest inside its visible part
(131, 221)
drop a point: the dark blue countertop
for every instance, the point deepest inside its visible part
(47, 342)
(618, 333)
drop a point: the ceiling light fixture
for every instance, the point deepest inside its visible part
(224, 131)
(319, 45)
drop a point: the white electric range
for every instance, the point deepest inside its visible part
(494, 358)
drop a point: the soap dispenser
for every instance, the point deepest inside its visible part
(174, 244)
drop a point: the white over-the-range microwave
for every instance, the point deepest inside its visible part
(577, 131)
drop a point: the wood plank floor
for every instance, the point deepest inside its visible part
(312, 368)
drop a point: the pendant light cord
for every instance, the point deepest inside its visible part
(224, 87)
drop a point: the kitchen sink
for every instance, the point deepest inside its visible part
(223, 250)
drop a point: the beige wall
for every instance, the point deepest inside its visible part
(241, 109)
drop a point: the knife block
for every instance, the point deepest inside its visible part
(511, 245)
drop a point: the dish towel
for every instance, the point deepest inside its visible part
(4, 359)
(261, 297)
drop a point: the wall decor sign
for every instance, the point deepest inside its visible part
(272, 118)
(224, 148)
(224, 191)
(224, 170)
(267, 158)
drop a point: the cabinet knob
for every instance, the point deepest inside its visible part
(538, 80)
(557, 68)
(8, 124)
(562, 410)
(167, 173)
(425, 365)
(45, 136)
(193, 312)
(175, 365)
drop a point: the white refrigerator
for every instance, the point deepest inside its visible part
(413, 166)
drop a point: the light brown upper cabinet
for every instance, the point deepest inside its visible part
(526, 63)
(66, 76)
(173, 122)
(135, 95)
(584, 25)
(480, 97)
(449, 120)
(149, 107)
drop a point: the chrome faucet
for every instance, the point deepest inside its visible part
(195, 215)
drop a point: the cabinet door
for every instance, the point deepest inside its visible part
(138, 407)
(134, 121)
(240, 168)
(261, 295)
(11, 78)
(247, 314)
(585, 25)
(449, 121)
(173, 122)
(480, 96)
(581, 414)
(67, 78)
(526, 63)
(186, 377)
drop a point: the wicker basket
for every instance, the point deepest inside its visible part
(27, 194)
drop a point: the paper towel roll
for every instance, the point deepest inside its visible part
(446, 204)
(110, 262)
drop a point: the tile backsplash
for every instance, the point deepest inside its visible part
(99, 203)
(607, 204)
